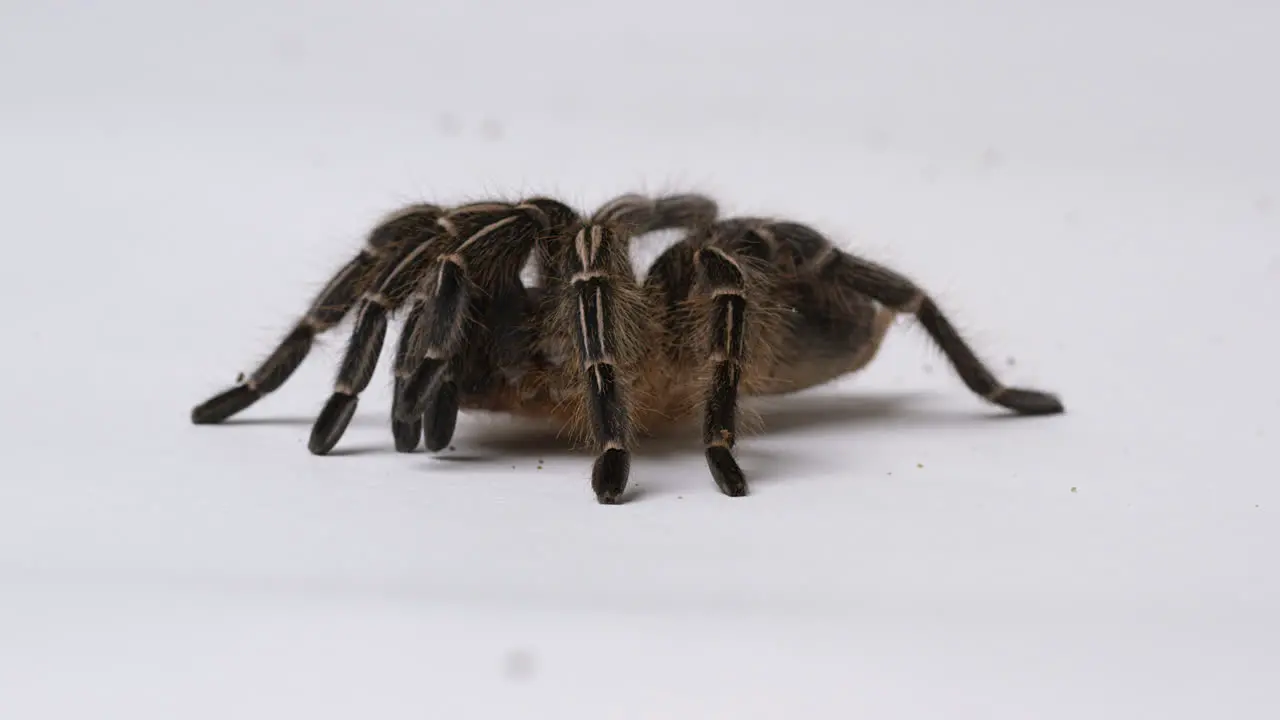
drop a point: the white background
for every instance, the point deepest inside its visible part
(1090, 189)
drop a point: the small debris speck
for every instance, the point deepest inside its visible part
(1010, 361)
(928, 368)
(448, 124)
(519, 665)
(920, 465)
(679, 497)
(239, 378)
(491, 129)
(452, 448)
(1073, 489)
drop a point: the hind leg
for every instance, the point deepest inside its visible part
(841, 284)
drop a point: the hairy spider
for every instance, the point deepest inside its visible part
(738, 306)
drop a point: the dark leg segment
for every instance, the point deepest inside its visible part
(439, 332)
(353, 377)
(410, 252)
(497, 241)
(330, 306)
(407, 433)
(897, 292)
(594, 295)
(722, 277)
(638, 214)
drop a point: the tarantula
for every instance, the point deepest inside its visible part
(739, 306)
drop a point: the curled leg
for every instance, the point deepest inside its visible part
(897, 292)
(638, 214)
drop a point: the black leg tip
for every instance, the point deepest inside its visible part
(1029, 402)
(331, 423)
(609, 476)
(441, 417)
(407, 435)
(224, 405)
(726, 472)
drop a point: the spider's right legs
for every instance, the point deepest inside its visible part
(328, 309)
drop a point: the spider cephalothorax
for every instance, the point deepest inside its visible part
(738, 306)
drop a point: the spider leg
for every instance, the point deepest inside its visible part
(604, 305)
(328, 309)
(725, 268)
(388, 292)
(899, 293)
(488, 246)
(640, 214)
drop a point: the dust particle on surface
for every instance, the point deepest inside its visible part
(452, 448)
(448, 124)
(1073, 489)
(491, 129)
(519, 665)
(1010, 361)
(920, 465)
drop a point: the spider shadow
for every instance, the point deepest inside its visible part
(810, 411)
(360, 420)
(789, 415)
(497, 439)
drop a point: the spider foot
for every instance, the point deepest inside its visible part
(609, 476)
(726, 472)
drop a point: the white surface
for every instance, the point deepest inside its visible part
(1093, 193)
